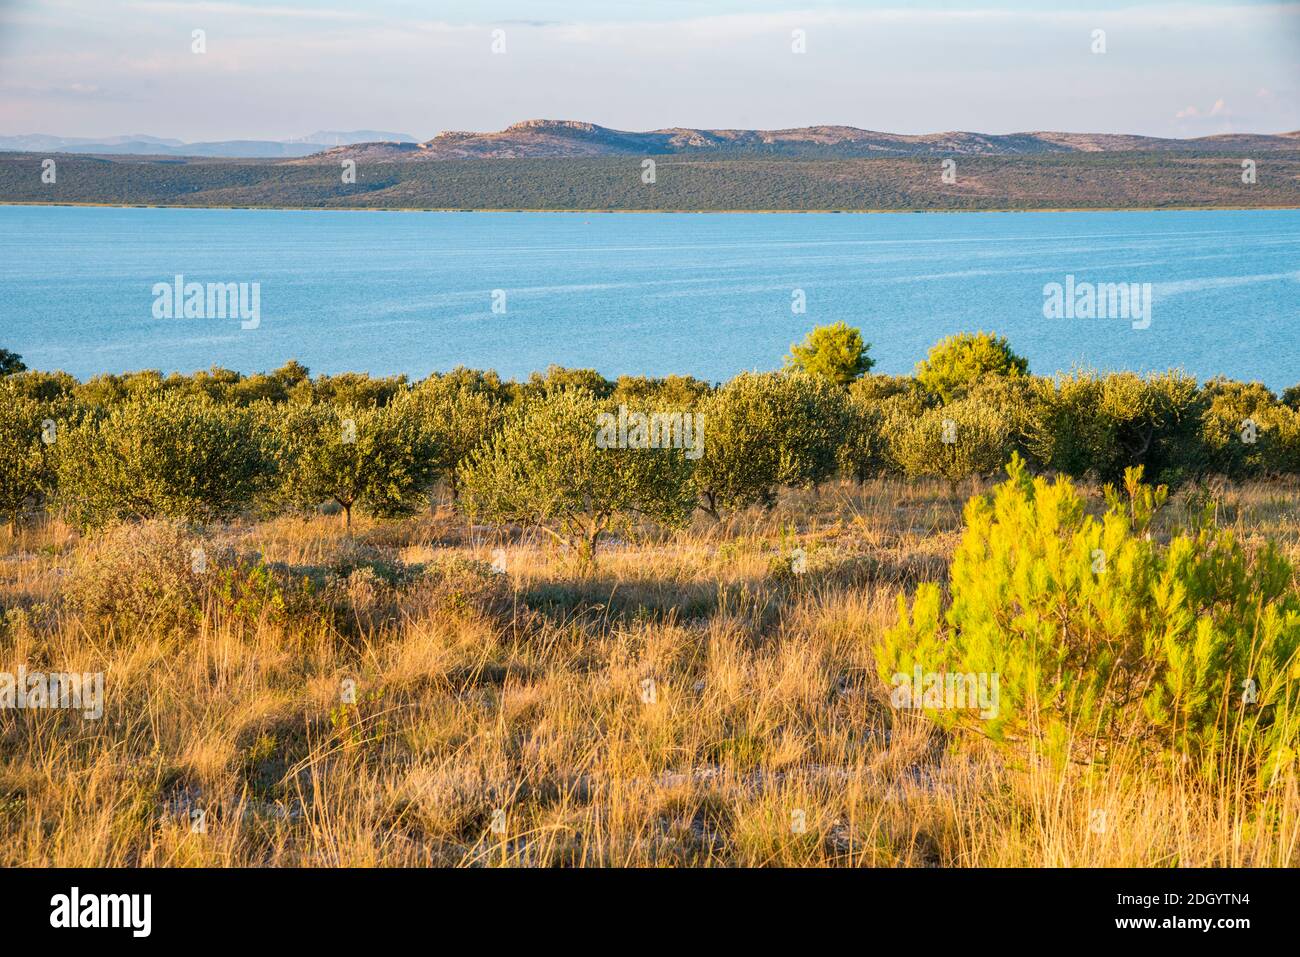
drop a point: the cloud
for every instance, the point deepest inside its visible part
(246, 10)
(76, 90)
(1218, 108)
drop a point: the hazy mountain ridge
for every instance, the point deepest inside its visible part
(548, 139)
(142, 145)
(557, 139)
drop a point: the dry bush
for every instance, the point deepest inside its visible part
(140, 580)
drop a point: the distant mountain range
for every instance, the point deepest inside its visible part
(550, 164)
(545, 139)
(141, 145)
(550, 139)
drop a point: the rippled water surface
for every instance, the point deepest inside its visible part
(653, 294)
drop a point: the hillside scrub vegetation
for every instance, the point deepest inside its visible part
(1076, 180)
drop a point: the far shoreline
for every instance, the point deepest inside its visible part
(682, 212)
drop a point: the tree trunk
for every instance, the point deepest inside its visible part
(587, 552)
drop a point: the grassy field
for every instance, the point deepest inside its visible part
(687, 700)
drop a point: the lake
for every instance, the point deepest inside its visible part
(703, 294)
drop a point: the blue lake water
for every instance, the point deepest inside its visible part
(707, 295)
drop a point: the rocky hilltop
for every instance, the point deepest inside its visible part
(545, 139)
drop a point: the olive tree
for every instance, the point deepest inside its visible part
(681, 392)
(557, 378)
(766, 430)
(1086, 422)
(1247, 432)
(965, 438)
(26, 468)
(545, 468)
(11, 362)
(165, 455)
(1291, 397)
(375, 456)
(877, 403)
(458, 413)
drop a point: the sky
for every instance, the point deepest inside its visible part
(286, 68)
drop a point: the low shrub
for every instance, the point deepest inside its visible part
(142, 579)
(1099, 636)
(161, 578)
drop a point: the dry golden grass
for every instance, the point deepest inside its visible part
(526, 693)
